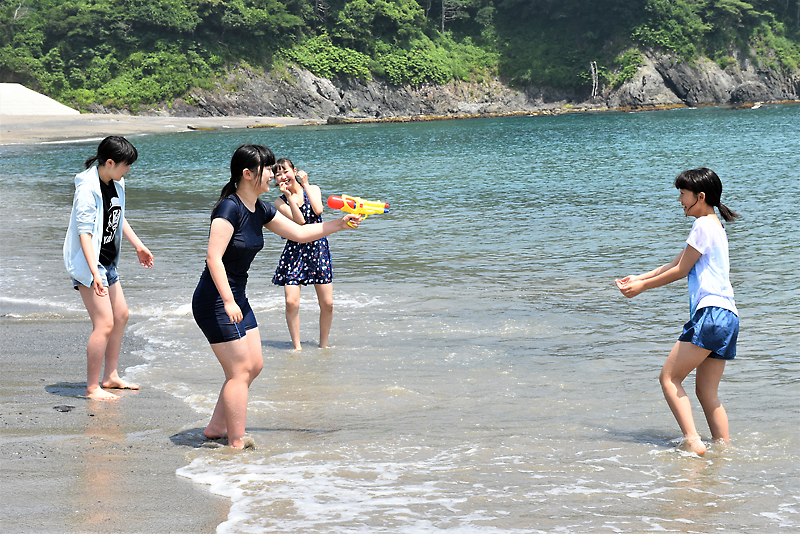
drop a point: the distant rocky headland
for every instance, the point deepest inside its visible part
(662, 82)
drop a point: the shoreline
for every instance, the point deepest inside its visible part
(74, 465)
(36, 129)
(548, 112)
(41, 129)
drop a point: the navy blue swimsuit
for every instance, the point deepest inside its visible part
(248, 238)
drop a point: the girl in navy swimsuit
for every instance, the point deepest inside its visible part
(220, 304)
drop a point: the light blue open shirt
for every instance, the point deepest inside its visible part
(87, 218)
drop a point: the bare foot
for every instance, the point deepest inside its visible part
(118, 383)
(100, 394)
(694, 444)
(720, 444)
(245, 443)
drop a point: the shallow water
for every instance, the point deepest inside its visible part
(485, 375)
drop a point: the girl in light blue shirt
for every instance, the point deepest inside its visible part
(709, 338)
(97, 225)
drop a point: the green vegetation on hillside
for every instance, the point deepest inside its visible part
(127, 53)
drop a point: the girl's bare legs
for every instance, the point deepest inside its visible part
(325, 299)
(111, 378)
(217, 427)
(682, 360)
(292, 295)
(241, 361)
(708, 376)
(109, 315)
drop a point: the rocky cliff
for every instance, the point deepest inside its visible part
(662, 81)
(665, 81)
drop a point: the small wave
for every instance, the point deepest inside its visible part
(63, 309)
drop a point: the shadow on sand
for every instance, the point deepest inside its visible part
(67, 389)
(643, 436)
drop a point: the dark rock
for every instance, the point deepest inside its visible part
(750, 92)
(663, 81)
(698, 84)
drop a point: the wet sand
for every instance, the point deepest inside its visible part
(32, 129)
(69, 465)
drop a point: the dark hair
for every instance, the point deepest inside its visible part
(705, 181)
(115, 148)
(284, 161)
(279, 164)
(256, 158)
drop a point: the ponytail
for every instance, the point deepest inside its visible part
(727, 214)
(227, 190)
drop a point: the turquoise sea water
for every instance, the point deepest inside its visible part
(485, 375)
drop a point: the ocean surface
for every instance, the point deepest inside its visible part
(485, 374)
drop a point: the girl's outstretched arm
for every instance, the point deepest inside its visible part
(285, 227)
(656, 272)
(644, 276)
(144, 254)
(666, 274)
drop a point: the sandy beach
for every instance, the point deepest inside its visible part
(32, 129)
(72, 465)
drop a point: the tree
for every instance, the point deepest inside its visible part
(321, 9)
(363, 24)
(453, 10)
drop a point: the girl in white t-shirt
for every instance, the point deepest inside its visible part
(709, 338)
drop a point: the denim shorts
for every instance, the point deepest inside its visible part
(715, 329)
(107, 274)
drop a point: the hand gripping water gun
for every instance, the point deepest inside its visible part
(357, 206)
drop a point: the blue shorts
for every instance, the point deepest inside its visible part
(715, 329)
(209, 313)
(108, 274)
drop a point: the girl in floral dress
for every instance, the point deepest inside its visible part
(303, 263)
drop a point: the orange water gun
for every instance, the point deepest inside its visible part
(357, 206)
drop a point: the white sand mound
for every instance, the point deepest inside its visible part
(16, 99)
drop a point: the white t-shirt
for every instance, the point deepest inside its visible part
(709, 284)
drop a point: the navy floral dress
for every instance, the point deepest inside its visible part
(305, 263)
